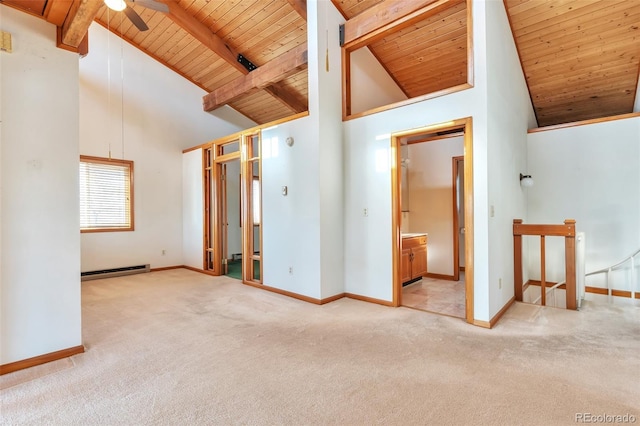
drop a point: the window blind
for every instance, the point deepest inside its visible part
(105, 194)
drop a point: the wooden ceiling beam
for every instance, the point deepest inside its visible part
(299, 6)
(284, 95)
(216, 44)
(56, 11)
(272, 72)
(204, 35)
(386, 17)
(81, 15)
(32, 7)
(82, 49)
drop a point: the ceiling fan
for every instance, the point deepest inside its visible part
(121, 6)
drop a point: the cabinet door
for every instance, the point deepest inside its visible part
(419, 261)
(405, 265)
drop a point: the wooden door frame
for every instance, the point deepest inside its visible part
(212, 189)
(248, 156)
(207, 172)
(456, 223)
(224, 219)
(466, 124)
(218, 205)
(213, 193)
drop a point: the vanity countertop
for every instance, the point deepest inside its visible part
(414, 234)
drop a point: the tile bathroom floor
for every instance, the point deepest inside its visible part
(437, 296)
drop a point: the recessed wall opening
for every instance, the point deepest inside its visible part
(424, 54)
(433, 219)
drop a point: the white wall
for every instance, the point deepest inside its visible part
(368, 251)
(371, 85)
(192, 209)
(304, 230)
(301, 230)
(324, 106)
(291, 223)
(510, 114)
(431, 198)
(162, 115)
(588, 173)
(40, 282)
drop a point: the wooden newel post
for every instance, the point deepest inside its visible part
(517, 260)
(570, 263)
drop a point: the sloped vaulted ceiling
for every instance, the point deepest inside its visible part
(258, 30)
(580, 58)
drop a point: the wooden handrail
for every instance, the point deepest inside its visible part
(568, 231)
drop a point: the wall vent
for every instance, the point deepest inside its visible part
(115, 272)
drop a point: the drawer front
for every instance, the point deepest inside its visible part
(410, 242)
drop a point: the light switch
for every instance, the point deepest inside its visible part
(5, 42)
(284, 190)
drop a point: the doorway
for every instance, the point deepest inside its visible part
(230, 224)
(233, 218)
(421, 221)
(223, 235)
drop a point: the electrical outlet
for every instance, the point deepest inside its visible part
(164, 252)
(499, 283)
(492, 211)
(365, 212)
(290, 270)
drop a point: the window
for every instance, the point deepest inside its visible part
(106, 194)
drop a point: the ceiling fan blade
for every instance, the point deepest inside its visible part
(135, 19)
(152, 4)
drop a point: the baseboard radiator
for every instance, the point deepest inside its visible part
(115, 272)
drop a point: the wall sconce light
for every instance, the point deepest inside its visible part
(526, 181)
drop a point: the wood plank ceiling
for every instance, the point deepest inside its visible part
(425, 57)
(430, 55)
(259, 30)
(581, 58)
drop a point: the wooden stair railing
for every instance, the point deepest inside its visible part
(568, 231)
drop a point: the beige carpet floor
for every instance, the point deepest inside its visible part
(182, 348)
